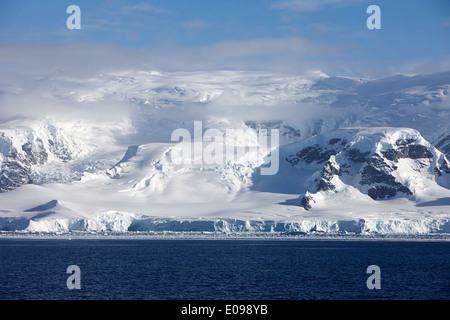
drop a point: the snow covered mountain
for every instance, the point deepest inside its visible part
(39, 156)
(382, 163)
(353, 155)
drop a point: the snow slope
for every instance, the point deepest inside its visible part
(355, 155)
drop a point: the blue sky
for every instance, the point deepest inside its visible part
(280, 35)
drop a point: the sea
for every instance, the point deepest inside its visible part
(236, 269)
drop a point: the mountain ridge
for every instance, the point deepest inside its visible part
(349, 150)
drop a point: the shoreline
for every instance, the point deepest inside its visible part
(262, 236)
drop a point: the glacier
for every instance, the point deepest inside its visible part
(356, 156)
(120, 222)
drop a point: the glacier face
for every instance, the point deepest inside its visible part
(122, 222)
(355, 155)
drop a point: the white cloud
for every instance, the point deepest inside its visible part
(308, 5)
(292, 55)
(327, 27)
(141, 7)
(281, 54)
(266, 47)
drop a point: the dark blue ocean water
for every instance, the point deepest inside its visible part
(223, 269)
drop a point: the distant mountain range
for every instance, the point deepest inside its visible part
(354, 155)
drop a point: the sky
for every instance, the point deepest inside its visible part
(287, 36)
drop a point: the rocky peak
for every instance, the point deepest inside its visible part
(24, 150)
(371, 162)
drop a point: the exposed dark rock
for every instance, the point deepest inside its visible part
(438, 172)
(444, 145)
(404, 142)
(377, 171)
(285, 131)
(307, 201)
(35, 152)
(290, 132)
(324, 185)
(17, 165)
(392, 155)
(14, 172)
(414, 151)
(357, 156)
(60, 150)
(315, 153)
(334, 141)
(324, 181)
(381, 192)
(444, 167)
(372, 173)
